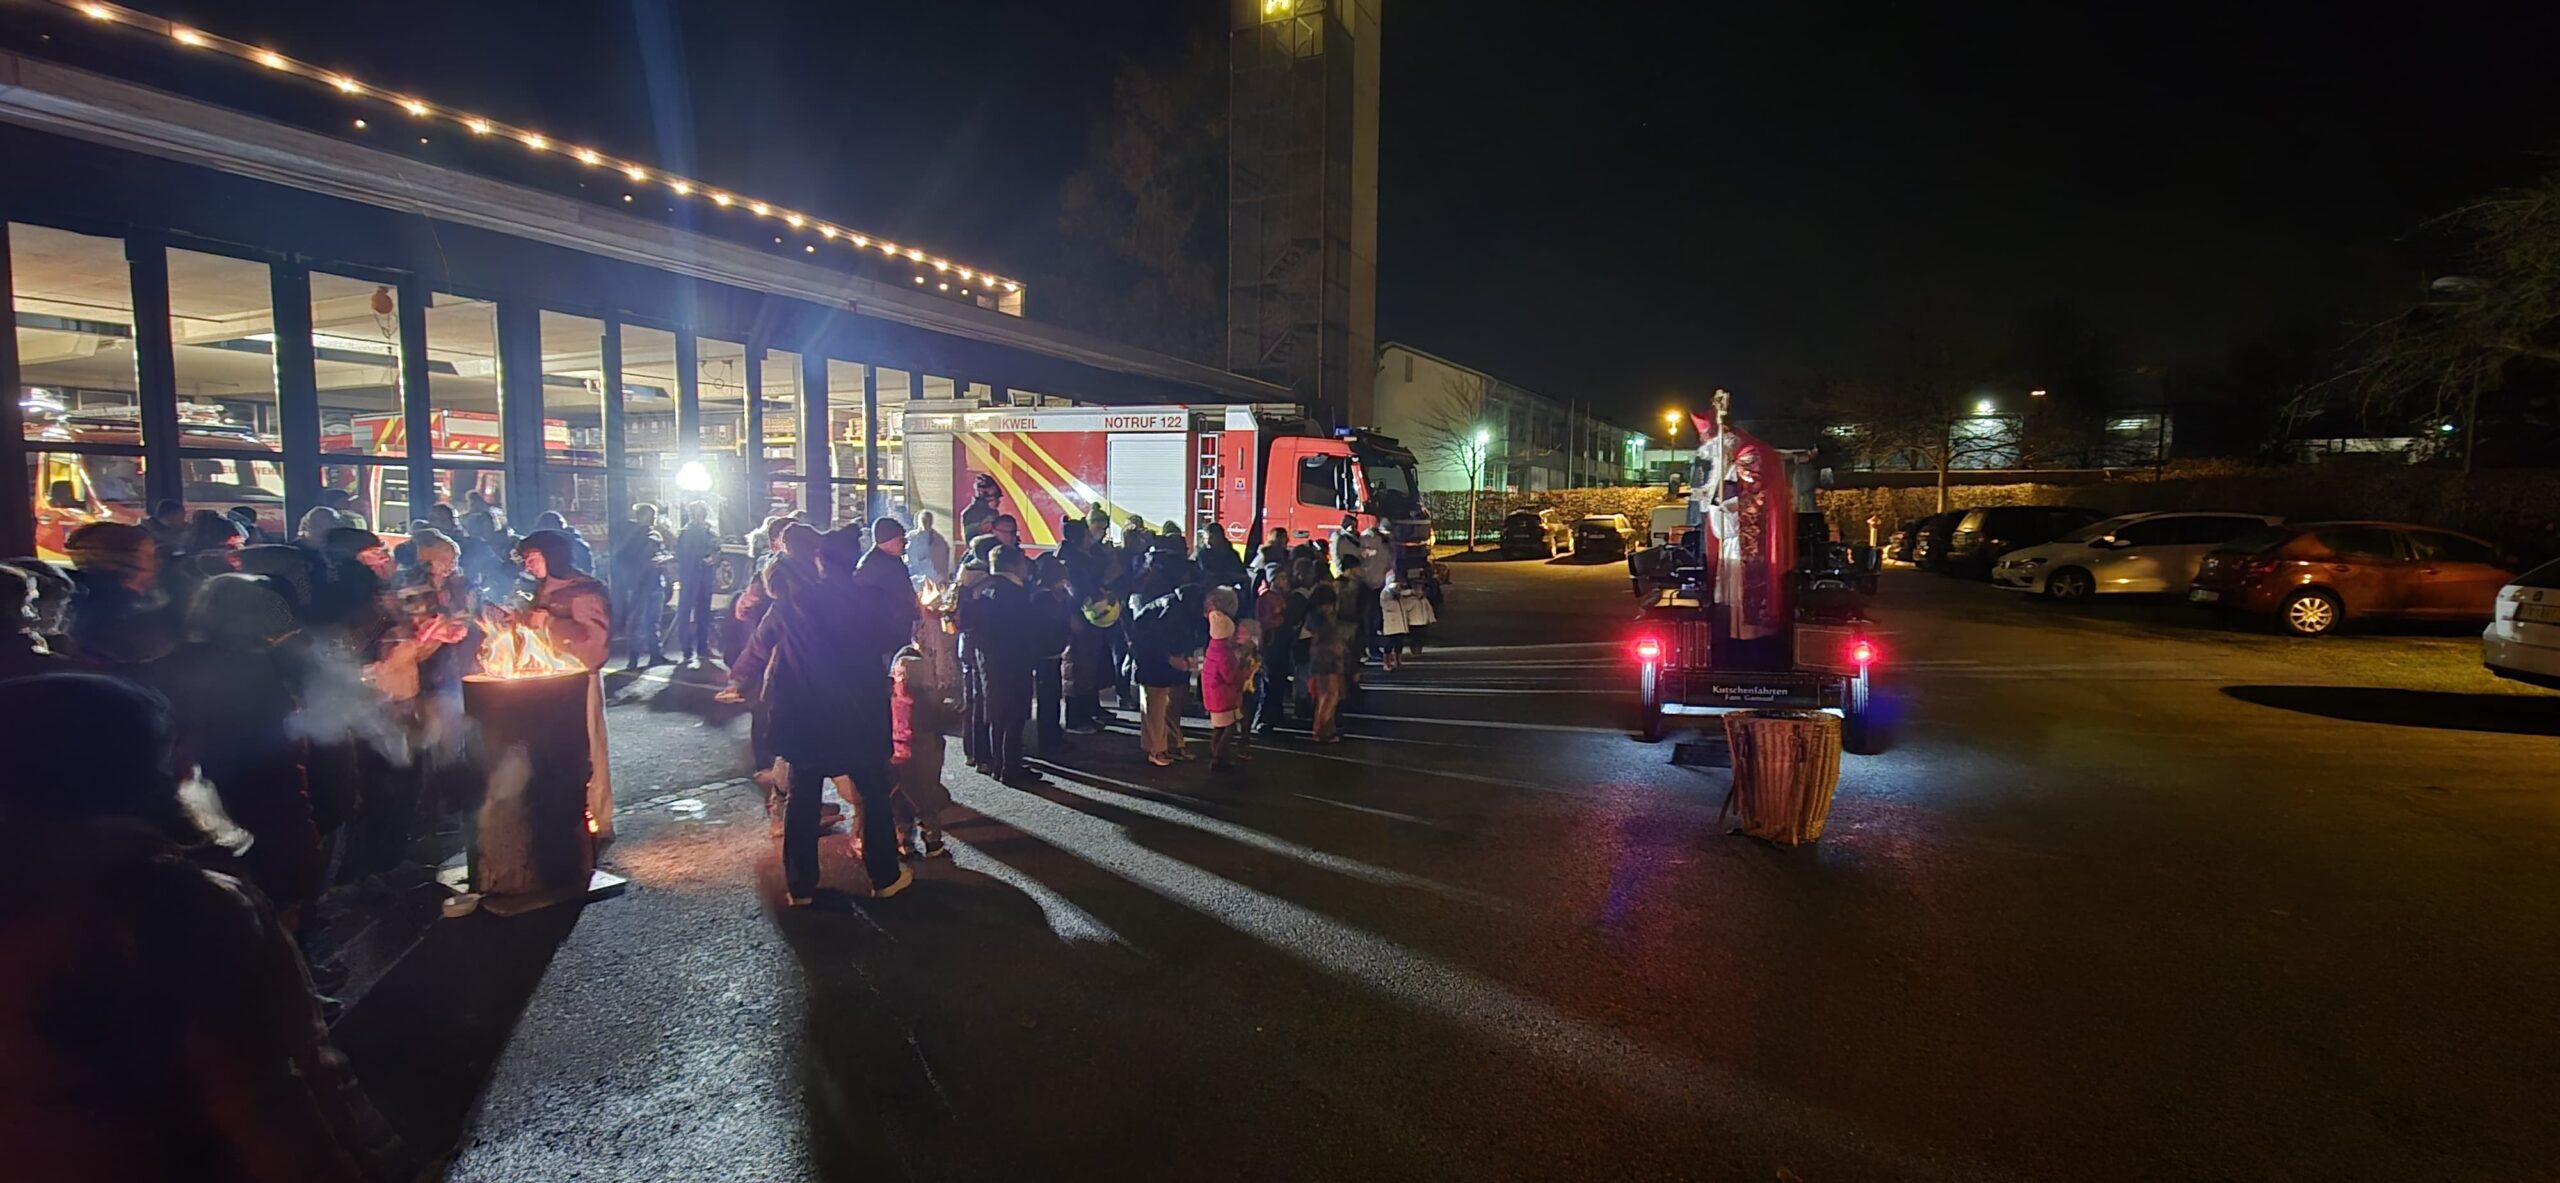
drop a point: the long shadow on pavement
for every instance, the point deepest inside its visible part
(2509, 714)
(426, 1037)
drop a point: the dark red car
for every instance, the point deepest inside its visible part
(2315, 576)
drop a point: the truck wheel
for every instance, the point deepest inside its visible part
(2311, 613)
(1862, 732)
(2069, 584)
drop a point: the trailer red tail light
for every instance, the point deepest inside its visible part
(2261, 566)
(1863, 653)
(1649, 649)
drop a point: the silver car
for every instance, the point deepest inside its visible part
(2135, 552)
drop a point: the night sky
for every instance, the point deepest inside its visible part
(1598, 201)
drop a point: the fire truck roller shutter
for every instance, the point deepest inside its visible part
(931, 472)
(1151, 477)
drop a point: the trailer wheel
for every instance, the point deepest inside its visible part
(1649, 709)
(1862, 730)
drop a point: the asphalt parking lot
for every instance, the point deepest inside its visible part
(2136, 895)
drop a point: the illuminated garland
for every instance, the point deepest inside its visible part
(480, 126)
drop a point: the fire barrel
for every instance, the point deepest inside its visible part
(1785, 766)
(533, 835)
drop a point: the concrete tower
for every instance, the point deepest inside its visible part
(1302, 199)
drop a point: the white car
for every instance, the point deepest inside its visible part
(2523, 638)
(2135, 552)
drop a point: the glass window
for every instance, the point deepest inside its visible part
(720, 374)
(2452, 548)
(845, 442)
(225, 483)
(355, 359)
(462, 378)
(222, 351)
(720, 369)
(376, 495)
(74, 302)
(572, 389)
(941, 388)
(2153, 532)
(781, 387)
(894, 391)
(649, 397)
(472, 491)
(577, 496)
(2208, 529)
(849, 505)
(2546, 575)
(2362, 542)
(73, 489)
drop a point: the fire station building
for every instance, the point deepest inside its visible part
(413, 302)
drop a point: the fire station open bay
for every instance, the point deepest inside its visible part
(2128, 897)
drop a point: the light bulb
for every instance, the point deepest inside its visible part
(537, 143)
(186, 36)
(414, 107)
(681, 187)
(479, 127)
(271, 59)
(345, 84)
(637, 173)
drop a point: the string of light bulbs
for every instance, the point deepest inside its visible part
(482, 127)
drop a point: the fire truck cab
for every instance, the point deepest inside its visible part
(72, 489)
(1240, 468)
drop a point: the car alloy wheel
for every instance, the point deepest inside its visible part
(2310, 614)
(2069, 583)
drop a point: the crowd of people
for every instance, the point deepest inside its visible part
(236, 725)
(225, 728)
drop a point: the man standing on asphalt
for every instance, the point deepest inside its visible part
(697, 573)
(828, 688)
(639, 586)
(996, 616)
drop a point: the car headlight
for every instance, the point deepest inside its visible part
(2022, 562)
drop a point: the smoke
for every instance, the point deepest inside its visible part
(340, 707)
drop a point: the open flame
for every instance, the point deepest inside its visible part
(513, 651)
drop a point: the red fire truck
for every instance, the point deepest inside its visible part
(1239, 467)
(73, 489)
(381, 490)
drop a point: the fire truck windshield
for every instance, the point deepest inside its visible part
(1390, 486)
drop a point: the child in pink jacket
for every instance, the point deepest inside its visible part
(919, 708)
(1222, 679)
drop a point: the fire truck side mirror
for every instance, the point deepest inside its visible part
(59, 495)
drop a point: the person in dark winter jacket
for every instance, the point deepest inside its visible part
(639, 587)
(697, 573)
(826, 651)
(231, 702)
(156, 1021)
(120, 616)
(1160, 662)
(997, 620)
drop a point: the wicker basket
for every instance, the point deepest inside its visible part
(1785, 766)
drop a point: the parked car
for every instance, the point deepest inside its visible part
(1929, 540)
(2135, 552)
(1536, 532)
(1604, 536)
(2522, 641)
(1981, 536)
(2314, 577)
